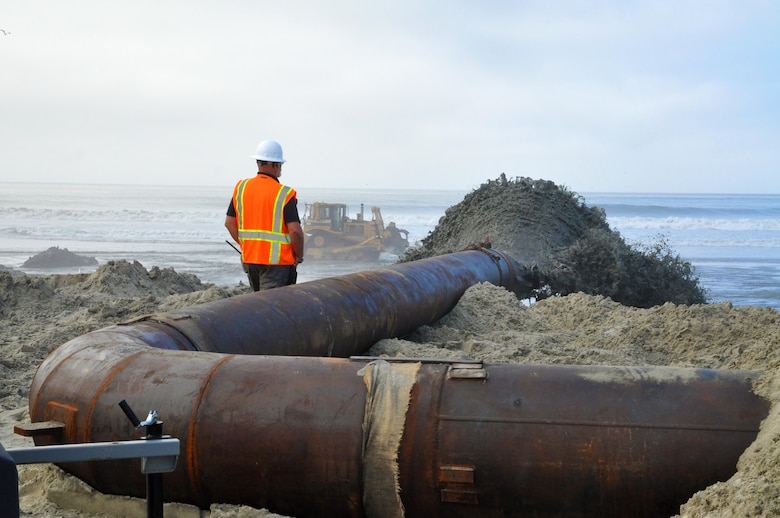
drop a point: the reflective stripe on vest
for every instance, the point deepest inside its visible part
(278, 248)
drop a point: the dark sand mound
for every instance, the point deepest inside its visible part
(531, 220)
(565, 246)
(56, 257)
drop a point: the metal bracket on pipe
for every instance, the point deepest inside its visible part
(404, 359)
(157, 456)
(462, 370)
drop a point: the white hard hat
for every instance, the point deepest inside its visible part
(269, 151)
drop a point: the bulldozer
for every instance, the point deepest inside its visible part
(331, 234)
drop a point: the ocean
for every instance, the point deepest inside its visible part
(733, 241)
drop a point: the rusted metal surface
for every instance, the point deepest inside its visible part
(574, 441)
(277, 432)
(286, 433)
(340, 316)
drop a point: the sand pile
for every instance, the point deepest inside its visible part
(56, 257)
(490, 324)
(531, 220)
(564, 245)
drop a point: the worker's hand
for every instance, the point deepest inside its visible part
(298, 260)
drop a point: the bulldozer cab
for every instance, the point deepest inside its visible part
(335, 213)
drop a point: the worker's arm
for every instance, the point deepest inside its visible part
(296, 238)
(231, 224)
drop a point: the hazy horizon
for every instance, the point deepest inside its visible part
(440, 189)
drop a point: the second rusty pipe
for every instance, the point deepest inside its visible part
(338, 316)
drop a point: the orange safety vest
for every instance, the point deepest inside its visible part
(262, 232)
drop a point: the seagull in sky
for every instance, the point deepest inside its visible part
(5, 32)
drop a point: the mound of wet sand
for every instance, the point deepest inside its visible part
(531, 220)
(56, 257)
(563, 245)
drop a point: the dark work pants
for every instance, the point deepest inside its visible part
(264, 277)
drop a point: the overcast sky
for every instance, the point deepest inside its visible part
(614, 95)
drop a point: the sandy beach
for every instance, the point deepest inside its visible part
(489, 323)
(548, 229)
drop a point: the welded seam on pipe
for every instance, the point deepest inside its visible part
(116, 369)
(599, 424)
(389, 389)
(191, 454)
(496, 257)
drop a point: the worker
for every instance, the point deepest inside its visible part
(263, 218)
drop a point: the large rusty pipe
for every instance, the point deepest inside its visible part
(338, 316)
(440, 439)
